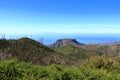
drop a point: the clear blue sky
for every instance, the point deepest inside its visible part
(60, 16)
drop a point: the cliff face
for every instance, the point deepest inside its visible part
(62, 42)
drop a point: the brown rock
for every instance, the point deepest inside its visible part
(62, 42)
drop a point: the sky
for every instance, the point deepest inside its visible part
(59, 16)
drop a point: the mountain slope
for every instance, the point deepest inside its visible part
(73, 51)
(29, 50)
(69, 53)
(101, 49)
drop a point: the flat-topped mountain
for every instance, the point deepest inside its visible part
(62, 42)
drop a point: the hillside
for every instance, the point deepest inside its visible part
(73, 51)
(69, 62)
(103, 48)
(28, 50)
(62, 42)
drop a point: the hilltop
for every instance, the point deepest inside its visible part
(62, 42)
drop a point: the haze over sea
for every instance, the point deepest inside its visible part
(87, 38)
(88, 21)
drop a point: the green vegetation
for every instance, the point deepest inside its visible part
(96, 68)
(29, 50)
(27, 59)
(73, 51)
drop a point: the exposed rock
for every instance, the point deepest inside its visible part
(62, 42)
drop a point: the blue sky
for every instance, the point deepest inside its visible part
(59, 16)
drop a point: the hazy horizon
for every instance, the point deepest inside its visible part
(87, 38)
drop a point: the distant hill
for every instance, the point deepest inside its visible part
(62, 42)
(28, 50)
(101, 49)
(65, 52)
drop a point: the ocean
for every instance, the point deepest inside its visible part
(86, 38)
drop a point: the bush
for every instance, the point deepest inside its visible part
(14, 70)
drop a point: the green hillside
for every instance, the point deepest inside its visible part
(73, 51)
(27, 59)
(28, 50)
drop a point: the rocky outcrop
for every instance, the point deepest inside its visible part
(62, 42)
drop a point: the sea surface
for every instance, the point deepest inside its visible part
(87, 38)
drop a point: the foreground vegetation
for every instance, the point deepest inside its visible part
(27, 59)
(95, 68)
